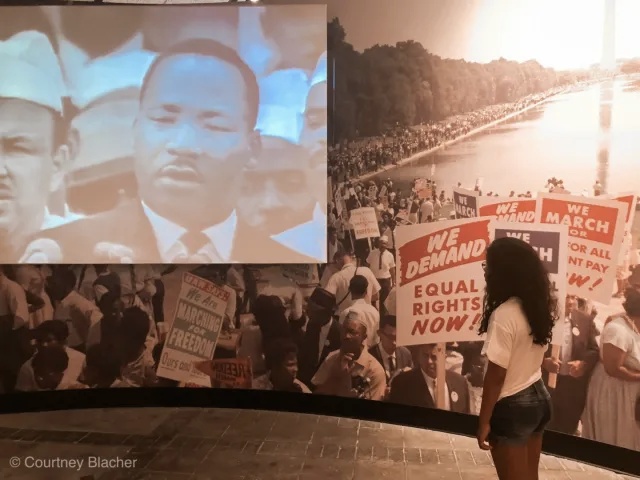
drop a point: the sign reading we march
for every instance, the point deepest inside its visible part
(195, 330)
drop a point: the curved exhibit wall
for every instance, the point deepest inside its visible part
(262, 326)
(444, 134)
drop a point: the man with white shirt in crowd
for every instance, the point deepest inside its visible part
(390, 233)
(81, 315)
(383, 266)
(338, 284)
(15, 345)
(368, 314)
(47, 334)
(426, 211)
(351, 371)
(33, 135)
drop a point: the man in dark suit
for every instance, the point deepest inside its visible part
(394, 359)
(578, 357)
(321, 337)
(418, 387)
(194, 135)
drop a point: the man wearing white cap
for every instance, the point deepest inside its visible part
(33, 154)
(351, 371)
(383, 266)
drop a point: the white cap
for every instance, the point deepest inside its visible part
(320, 73)
(31, 70)
(384, 239)
(357, 317)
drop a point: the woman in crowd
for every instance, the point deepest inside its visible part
(613, 400)
(519, 313)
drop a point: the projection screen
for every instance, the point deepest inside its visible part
(165, 134)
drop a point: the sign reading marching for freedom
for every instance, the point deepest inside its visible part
(440, 280)
(194, 334)
(596, 229)
(465, 203)
(520, 210)
(551, 243)
(365, 223)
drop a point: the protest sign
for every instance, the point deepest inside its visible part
(402, 218)
(365, 223)
(303, 275)
(596, 229)
(195, 330)
(630, 200)
(551, 242)
(465, 203)
(440, 280)
(521, 210)
(228, 372)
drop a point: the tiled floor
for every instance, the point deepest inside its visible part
(202, 444)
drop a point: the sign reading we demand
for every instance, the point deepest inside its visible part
(440, 280)
(596, 230)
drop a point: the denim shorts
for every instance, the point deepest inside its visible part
(519, 416)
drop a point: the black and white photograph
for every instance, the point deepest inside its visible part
(127, 143)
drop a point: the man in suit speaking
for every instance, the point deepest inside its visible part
(193, 136)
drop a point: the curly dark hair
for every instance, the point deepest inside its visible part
(514, 269)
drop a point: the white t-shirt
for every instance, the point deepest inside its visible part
(509, 344)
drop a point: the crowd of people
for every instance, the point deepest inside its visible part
(352, 160)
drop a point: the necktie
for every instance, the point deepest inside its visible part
(392, 365)
(380, 260)
(435, 391)
(193, 242)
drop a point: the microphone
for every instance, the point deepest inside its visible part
(42, 250)
(113, 252)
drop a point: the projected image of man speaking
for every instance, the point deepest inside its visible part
(194, 135)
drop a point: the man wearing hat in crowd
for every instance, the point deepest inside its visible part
(322, 335)
(383, 266)
(193, 135)
(33, 151)
(351, 371)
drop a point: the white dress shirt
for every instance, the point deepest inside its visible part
(386, 361)
(381, 263)
(82, 317)
(431, 385)
(27, 381)
(338, 284)
(168, 236)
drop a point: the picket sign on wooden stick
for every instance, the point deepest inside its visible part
(555, 353)
(441, 380)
